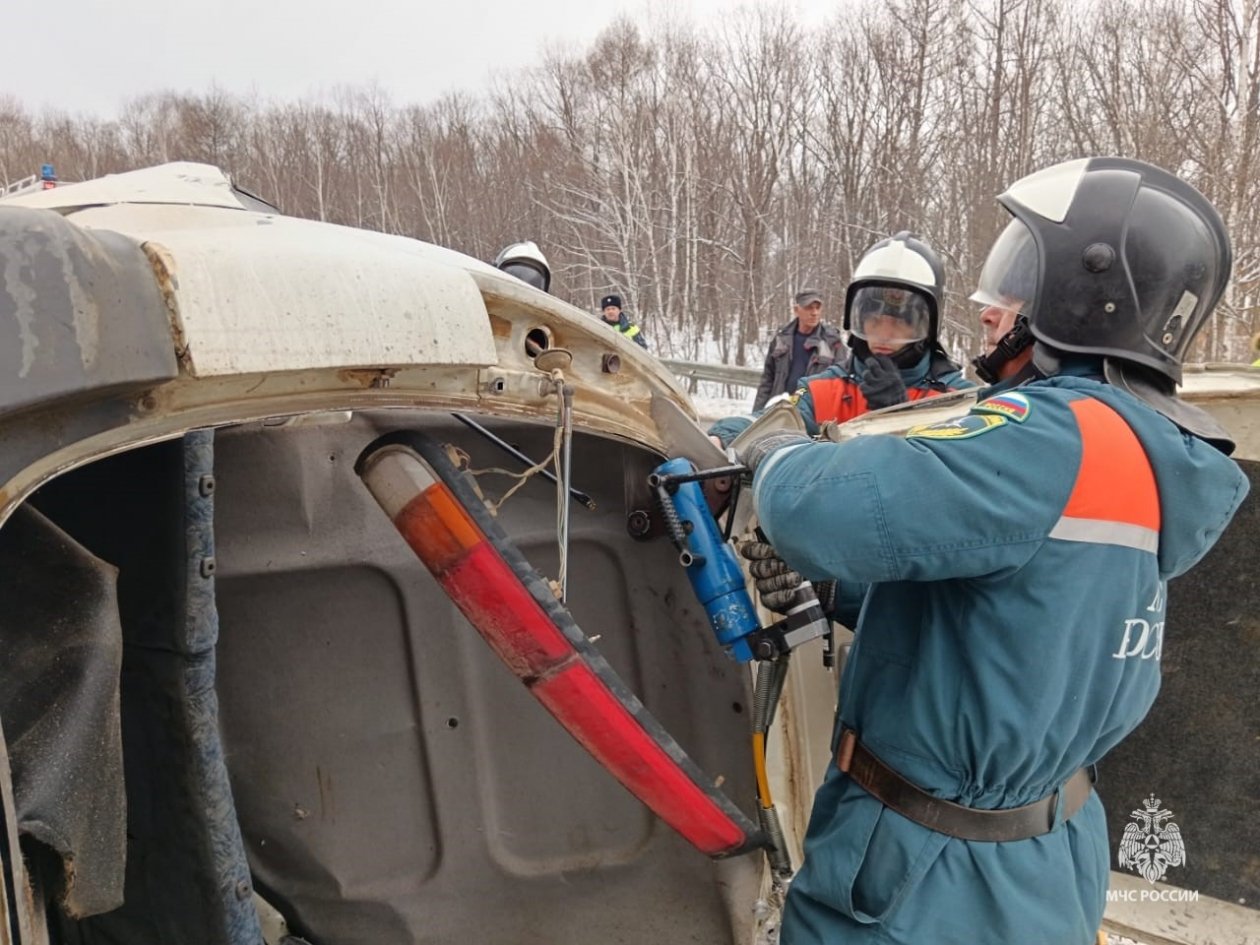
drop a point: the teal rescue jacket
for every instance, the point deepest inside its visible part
(1018, 561)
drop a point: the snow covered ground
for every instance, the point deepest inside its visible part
(714, 408)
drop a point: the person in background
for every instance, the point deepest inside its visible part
(892, 313)
(527, 262)
(804, 346)
(615, 317)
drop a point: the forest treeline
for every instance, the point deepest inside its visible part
(706, 173)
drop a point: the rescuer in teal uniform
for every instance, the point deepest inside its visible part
(892, 314)
(1018, 559)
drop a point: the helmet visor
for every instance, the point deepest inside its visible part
(889, 317)
(1009, 277)
(526, 272)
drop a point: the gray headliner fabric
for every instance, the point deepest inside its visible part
(62, 644)
(395, 782)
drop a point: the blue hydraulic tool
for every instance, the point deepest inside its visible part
(715, 574)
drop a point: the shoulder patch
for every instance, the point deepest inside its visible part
(1013, 406)
(960, 428)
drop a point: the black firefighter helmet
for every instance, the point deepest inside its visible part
(901, 279)
(1120, 259)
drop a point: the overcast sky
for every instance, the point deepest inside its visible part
(93, 55)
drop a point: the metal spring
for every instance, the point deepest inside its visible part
(673, 524)
(776, 853)
(769, 687)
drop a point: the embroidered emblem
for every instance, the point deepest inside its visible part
(960, 428)
(1012, 406)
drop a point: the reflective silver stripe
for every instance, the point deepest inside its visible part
(1101, 532)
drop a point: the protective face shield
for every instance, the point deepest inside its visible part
(1009, 282)
(1009, 277)
(525, 261)
(527, 274)
(903, 278)
(889, 318)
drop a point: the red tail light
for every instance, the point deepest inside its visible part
(494, 587)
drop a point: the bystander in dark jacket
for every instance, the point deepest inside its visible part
(804, 346)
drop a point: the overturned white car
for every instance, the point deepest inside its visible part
(269, 487)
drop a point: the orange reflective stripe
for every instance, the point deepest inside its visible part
(1115, 482)
(836, 398)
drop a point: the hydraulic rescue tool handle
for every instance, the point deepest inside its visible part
(710, 562)
(804, 620)
(720, 586)
(715, 574)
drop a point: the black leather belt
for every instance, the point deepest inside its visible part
(966, 823)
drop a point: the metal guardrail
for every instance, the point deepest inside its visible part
(720, 373)
(751, 376)
(21, 186)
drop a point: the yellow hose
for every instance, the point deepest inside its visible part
(759, 765)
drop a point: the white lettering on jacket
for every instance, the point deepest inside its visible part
(1143, 639)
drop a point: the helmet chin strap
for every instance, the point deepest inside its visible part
(989, 366)
(910, 355)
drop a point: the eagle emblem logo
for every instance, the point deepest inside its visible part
(1152, 843)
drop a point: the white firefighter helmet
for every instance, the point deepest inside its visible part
(527, 262)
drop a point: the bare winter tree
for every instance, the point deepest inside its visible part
(705, 175)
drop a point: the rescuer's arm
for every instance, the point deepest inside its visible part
(728, 428)
(952, 501)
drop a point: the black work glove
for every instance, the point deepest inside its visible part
(777, 583)
(882, 385)
(756, 451)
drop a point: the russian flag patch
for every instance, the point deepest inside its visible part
(1013, 406)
